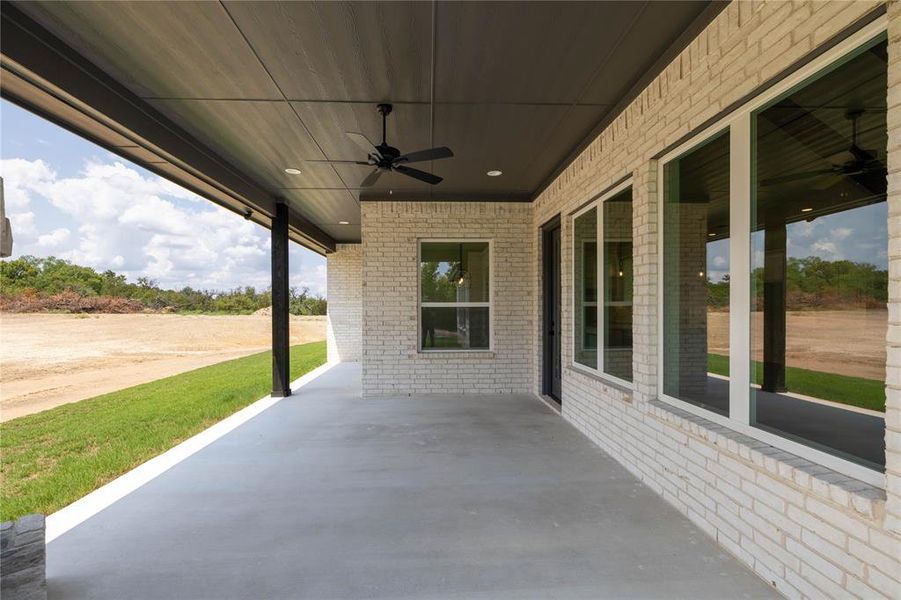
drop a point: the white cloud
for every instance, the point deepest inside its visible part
(20, 177)
(55, 238)
(841, 233)
(719, 261)
(23, 226)
(142, 225)
(824, 246)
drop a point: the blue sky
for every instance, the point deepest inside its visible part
(69, 198)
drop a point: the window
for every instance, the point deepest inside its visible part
(585, 261)
(454, 294)
(819, 264)
(774, 263)
(602, 255)
(696, 276)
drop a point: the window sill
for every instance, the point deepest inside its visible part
(445, 354)
(853, 494)
(616, 385)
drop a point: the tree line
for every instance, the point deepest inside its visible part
(29, 284)
(814, 283)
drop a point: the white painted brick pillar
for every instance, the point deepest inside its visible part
(345, 303)
(644, 300)
(893, 377)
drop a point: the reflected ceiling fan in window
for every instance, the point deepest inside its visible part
(387, 158)
(861, 162)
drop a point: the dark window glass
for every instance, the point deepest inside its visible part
(696, 276)
(819, 265)
(617, 274)
(585, 257)
(455, 328)
(454, 282)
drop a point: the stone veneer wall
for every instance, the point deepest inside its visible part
(809, 531)
(344, 330)
(392, 362)
(23, 559)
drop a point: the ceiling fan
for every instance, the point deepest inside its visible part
(862, 162)
(387, 158)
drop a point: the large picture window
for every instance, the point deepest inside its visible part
(774, 263)
(454, 295)
(819, 264)
(602, 285)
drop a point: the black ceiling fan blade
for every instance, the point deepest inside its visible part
(371, 178)
(798, 176)
(363, 143)
(341, 162)
(417, 174)
(421, 155)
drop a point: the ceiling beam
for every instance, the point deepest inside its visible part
(47, 77)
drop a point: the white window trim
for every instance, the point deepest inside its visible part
(596, 203)
(738, 124)
(420, 304)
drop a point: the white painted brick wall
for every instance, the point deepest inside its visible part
(392, 363)
(344, 330)
(811, 532)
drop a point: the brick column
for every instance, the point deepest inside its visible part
(645, 258)
(893, 376)
(345, 303)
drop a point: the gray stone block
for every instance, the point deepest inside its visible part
(23, 554)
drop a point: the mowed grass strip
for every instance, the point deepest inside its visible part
(853, 391)
(55, 457)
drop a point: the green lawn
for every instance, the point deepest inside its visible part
(52, 458)
(854, 391)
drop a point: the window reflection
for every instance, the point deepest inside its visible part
(819, 266)
(454, 294)
(696, 276)
(585, 236)
(617, 272)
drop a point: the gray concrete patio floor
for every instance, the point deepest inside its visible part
(326, 495)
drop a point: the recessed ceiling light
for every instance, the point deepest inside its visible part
(494, 173)
(343, 223)
(291, 171)
(711, 235)
(808, 209)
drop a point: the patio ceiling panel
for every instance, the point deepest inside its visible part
(522, 140)
(515, 86)
(525, 52)
(160, 49)
(328, 207)
(342, 51)
(260, 137)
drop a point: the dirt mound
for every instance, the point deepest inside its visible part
(264, 312)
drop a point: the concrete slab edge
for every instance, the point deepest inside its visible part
(86, 507)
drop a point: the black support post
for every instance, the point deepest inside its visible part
(774, 290)
(281, 360)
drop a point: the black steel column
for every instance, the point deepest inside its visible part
(774, 291)
(281, 360)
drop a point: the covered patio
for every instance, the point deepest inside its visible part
(622, 207)
(325, 495)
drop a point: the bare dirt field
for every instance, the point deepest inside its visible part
(845, 342)
(52, 359)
